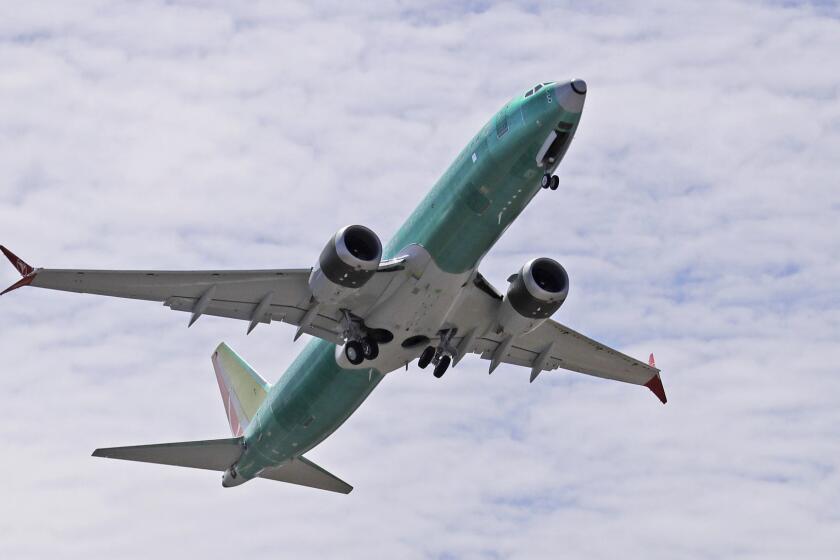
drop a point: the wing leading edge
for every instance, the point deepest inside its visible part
(256, 296)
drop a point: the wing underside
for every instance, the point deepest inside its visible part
(263, 296)
(256, 296)
(548, 347)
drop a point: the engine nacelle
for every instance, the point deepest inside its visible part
(534, 294)
(347, 262)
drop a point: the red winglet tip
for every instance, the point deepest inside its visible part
(655, 385)
(25, 281)
(651, 360)
(17, 262)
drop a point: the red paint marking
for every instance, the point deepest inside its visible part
(655, 385)
(230, 412)
(651, 360)
(25, 281)
(17, 262)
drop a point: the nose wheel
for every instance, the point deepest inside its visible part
(550, 181)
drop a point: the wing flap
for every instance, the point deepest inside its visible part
(234, 294)
(256, 296)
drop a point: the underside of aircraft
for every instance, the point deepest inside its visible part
(373, 309)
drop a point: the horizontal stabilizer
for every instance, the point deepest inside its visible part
(306, 473)
(212, 454)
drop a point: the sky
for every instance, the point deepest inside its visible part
(697, 217)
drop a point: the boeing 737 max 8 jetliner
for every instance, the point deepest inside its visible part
(373, 310)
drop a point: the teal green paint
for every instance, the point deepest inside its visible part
(315, 387)
(457, 222)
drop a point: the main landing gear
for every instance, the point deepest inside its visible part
(550, 181)
(429, 355)
(440, 356)
(362, 342)
(358, 351)
(442, 366)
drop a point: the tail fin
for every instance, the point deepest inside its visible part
(242, 388)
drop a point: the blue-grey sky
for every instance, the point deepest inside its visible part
(697, 217)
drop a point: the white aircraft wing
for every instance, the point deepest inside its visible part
(550, 346)
(257, 296)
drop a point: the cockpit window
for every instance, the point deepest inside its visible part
(537, 88)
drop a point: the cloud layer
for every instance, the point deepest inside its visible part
(696, 216)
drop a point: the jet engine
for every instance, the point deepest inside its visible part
(534, 294)
(347, 262)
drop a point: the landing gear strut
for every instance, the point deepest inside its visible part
(441, 356)
(362, 342)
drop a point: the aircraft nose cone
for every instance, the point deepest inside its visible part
(571, 95)
(579, 86)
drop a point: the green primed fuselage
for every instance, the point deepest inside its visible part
(494, 177)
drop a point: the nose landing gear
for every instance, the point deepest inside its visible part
(550, 181)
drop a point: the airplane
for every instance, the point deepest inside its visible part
(373, 310)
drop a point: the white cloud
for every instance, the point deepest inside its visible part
(696, 217)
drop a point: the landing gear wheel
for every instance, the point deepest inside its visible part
(442, 366)
(354, 352)
(370, 349)
(426, 357)
(545, 182)
(555, 182)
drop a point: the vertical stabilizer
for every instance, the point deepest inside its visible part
(242, 388)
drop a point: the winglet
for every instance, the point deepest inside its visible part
(655, 383)
(17, 262)
(25, 270)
